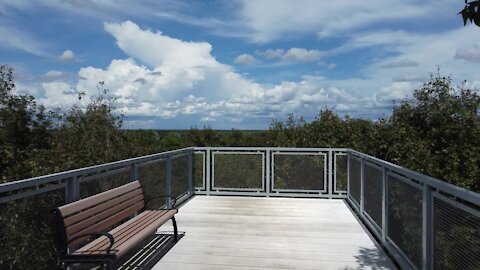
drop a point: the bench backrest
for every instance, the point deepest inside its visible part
(100, 212)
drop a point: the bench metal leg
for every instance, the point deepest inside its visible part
(175, 230)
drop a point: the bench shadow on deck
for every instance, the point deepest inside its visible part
(271, 233)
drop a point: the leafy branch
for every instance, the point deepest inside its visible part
(471, 12)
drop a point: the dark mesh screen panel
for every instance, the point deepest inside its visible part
(103, 183)
(179, 175)
(456, 237)
(152, 177)
(373, 192)
(301, 172)
(354, 174)
(405, 219)
(198, 169)
(28, 230)
(341, 172)
(238, 171)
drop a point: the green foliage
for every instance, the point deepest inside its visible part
(436, 133)
(299, 172)
(90, 136)
(238, 171)
(24, 129)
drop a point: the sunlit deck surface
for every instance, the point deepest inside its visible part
(271, 233)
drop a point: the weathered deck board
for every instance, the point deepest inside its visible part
(270, 233)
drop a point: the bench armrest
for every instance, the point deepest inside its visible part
(109, 236)
(164, 196)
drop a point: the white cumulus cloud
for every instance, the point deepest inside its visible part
(173, 78)
(245, 59)
(67, 55)
(292, 54)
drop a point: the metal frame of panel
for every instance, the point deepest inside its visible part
(379, 168)
(349, 196)
(222, 152)
(204, 186)
(335, 174)
(415, 185)
(325, 172)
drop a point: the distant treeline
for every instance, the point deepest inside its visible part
(436, 132)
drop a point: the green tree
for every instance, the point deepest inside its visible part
(438, 132)
(24, 129)
(88, 136)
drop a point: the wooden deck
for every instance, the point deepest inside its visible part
(271, 233)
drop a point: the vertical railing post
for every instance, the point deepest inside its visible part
(72, 192)
(134, 172)
(348, 175)
(427, 227)
(384, 204)
(168, 180)
(208, 174)
(191, 186)
(267, 173)
(362, 193)
(330, 174)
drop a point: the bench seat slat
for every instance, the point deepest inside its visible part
(103, 215)
(107, 222)
(101, 207)
(129, 233)
(80, 205)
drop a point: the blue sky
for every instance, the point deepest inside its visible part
(235, 64)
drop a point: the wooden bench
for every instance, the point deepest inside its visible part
(84, 225)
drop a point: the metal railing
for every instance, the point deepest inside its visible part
(423, 222)
(27, 230)
(271, 172)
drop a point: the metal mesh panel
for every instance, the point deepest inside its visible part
(199, 170)
(238, 170)
(341, 172)
(456, 237)
(103, 183)
(179, 175)
(405, 218)
(354, 175)
(299, 172)
(152, 177)
(27, 232)
(373, 192)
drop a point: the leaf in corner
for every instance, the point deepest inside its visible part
(464, 13)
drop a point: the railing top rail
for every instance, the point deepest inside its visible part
(20, 184)
(269, 148)
(454, 190)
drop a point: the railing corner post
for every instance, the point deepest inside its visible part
(168, 180)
